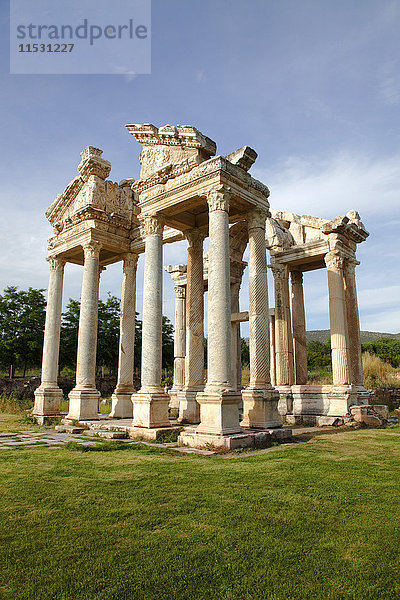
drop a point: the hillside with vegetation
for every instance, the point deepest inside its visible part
(322, 335)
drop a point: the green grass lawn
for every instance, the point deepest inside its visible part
(316, 520)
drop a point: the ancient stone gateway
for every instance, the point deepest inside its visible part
(186, 192)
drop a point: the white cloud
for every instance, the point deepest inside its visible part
(333, 185)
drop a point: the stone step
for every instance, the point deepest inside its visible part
(106, 435)
(72, 429)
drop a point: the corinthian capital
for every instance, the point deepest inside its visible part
(151, 224)
(334, 261)
(256, 218)
(350, 265)
(92, 249)
(56, 263)
(195, 237)
(130, 261)
(279, 271)
(218, 198)
(180, 291)
(296, 277)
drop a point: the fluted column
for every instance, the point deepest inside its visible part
(48, 395)
(272, 346)
(179, 342)
(121, 398)
(299, 329)
(260, 401)
(189, 409)
(236, 362)
(353, 328)
(338, 319)
(283, 341)
(219, 412)
(151, 403)
(84, 397)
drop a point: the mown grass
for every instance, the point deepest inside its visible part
(308, 521)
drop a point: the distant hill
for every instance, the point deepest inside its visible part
(321, 335)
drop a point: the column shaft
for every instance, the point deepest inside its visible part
(88, 318)
(272, 346)
(121, 399)
(299, 329)
(48, 395)
(219, 310)
(179, 338)
(51, 343)
(84, 397)
(194, 362)
(283, 341)
(236, 362)
(353, 322)
(258, 305)
(338, 319)
(260, 400)
(150, 404)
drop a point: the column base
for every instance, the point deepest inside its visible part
(341, 397)
(173, 398)
(219, 412)
(150, 408)
(83, 404)
(121, 404)
(189, 408)
(47, 403)
(260, 409)
(285, 404)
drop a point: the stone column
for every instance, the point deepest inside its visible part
(84, 398)
(48, 395)
(299, 329)
(260, 400)
(283, 341)
(236, 361)
(121, 399)
(150, 404)
(338, 319)
(272, 346)
(189, 409)
(219, 406)
(353, 329)
(179, 345)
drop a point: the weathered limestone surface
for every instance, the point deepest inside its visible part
(151, 402)
(299, 329)
(121, 399)
(84, 398)
(189, 408)
(219, 407)
(48, 395)
(260, 400)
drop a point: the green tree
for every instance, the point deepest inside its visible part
(245, 352)
(319, 354)
(388, 350)
(22, 316)
(108, 334)
(167, 343)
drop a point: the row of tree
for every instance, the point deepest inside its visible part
(22, 318)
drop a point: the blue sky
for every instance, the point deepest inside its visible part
(312, 86)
